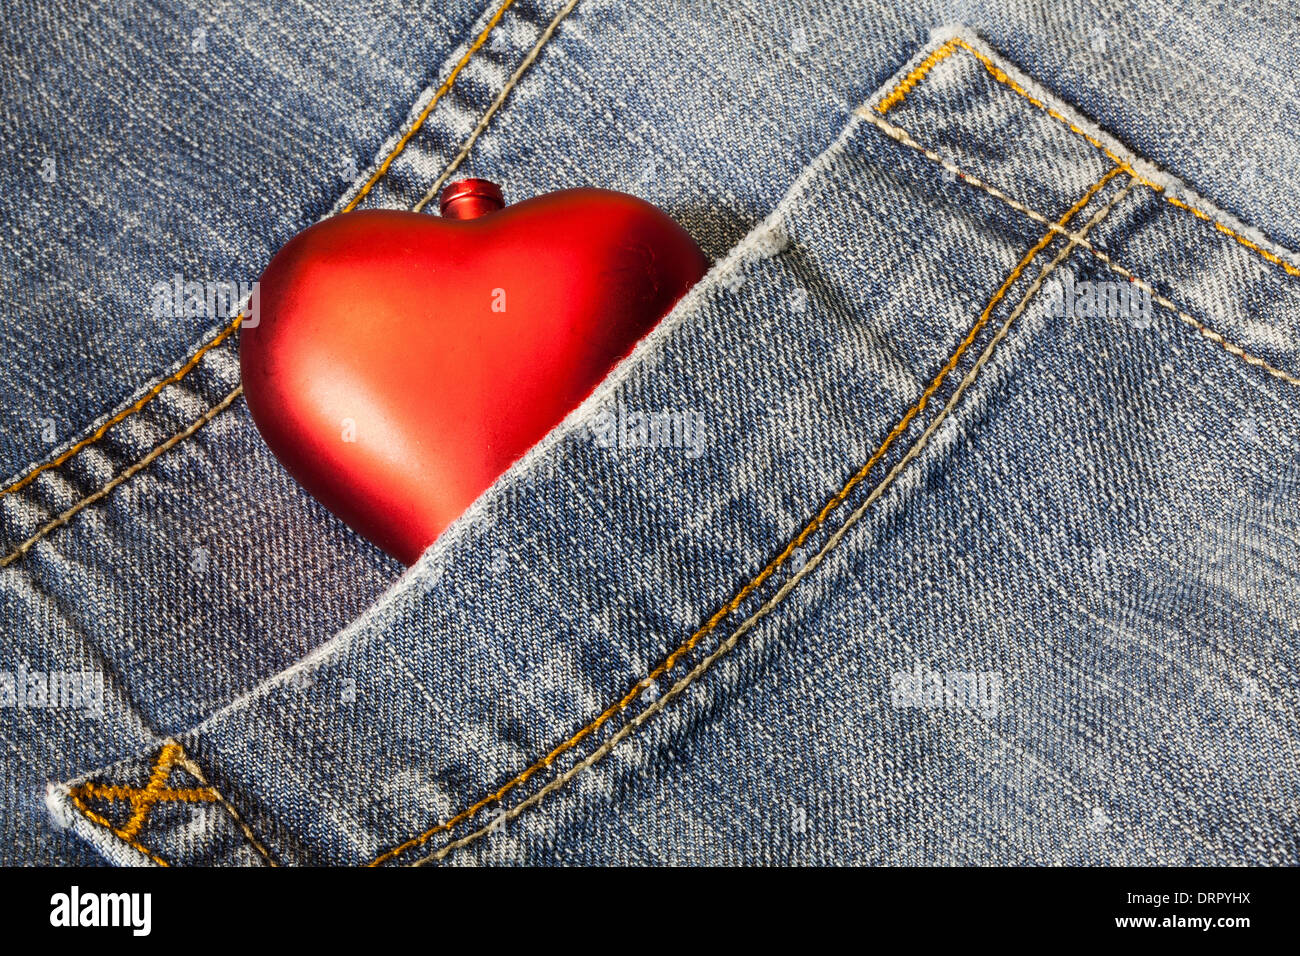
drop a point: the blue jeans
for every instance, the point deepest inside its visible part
(952, 518)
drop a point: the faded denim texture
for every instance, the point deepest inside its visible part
(943, 566)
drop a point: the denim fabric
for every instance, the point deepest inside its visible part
(208, 570)
(928, 563)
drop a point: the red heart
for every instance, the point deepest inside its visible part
(384, 376)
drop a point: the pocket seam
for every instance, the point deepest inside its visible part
(155, 791)
(1073, 239)
(756, 582)
(916, 76)
(900, 135)
(749, 623)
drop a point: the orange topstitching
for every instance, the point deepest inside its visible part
(226, 332)
(907, 83)
(775, 564)
(142, 799)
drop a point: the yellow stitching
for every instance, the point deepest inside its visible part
(100, 791)
(671, 661)
(229, 329)
(831, 543)
(144, 400)
(1275, 259)
(100, 820)
(496, 105)
(424, 114)
(162, 769)
(906, 83)
(910, 81)
(998, 74)
(1002, 77)
(144, 799)
(122, 476)
(900, 135)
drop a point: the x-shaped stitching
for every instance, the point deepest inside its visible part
(143, 799)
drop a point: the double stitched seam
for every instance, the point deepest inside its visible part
(66, 516)
(154, 792)
(901, 136)
(772, 567)
(130, 410)
(225, 403)
(907, 83)
(832, 542)
(228, 330)
(496, 105)
(424, 114)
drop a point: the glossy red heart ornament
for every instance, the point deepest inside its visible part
(400, 362)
